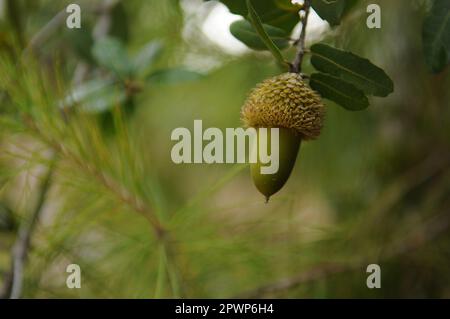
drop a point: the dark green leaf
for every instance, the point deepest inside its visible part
(339, 91)
(244, 31)
(146, 57)
(257, 25)
(278, 13)
(436, 36)
(110, 53)
(332, 10)
(329, 10)
(356, 70)
(174, 76)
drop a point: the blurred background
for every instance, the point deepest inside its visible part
(86, 176)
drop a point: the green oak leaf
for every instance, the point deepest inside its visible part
(354, 69)
(332, 10)
(278, 13)
(256, 22)
(339, 91)
(244, 31)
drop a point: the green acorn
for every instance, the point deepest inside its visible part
(288, 103)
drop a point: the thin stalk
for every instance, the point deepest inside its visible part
(296, 66)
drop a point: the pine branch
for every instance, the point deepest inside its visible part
(12, 286)
(115, 188)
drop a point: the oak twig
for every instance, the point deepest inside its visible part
(296, 65)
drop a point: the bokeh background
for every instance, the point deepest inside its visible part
(98, 188)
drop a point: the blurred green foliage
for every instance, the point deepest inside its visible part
(374, 188)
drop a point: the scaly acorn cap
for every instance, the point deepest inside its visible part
(285, 101)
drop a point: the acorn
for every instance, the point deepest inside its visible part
(288, 103)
